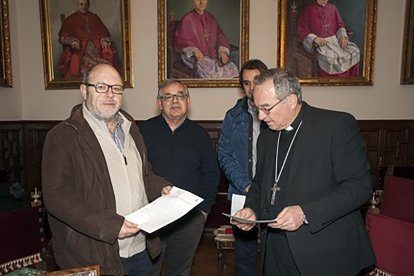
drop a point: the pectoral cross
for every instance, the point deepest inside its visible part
(325, 24)
(326, 27)
(206, 35)
(274, 190)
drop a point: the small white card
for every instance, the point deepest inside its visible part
(237, 203)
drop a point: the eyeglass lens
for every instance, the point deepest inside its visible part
(170, 97)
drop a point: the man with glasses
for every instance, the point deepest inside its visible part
(181, 151)
(237, 157)
(312, 176)
(94, 172)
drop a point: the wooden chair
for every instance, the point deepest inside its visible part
(224, 239)
(302, 63)
(177, 69)
(22, 238)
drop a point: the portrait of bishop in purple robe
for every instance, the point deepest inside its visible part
(202, 44)
(321, 30)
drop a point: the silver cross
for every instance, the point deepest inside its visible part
(274, 190)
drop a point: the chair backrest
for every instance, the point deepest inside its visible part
(22, 237)
(397, 201)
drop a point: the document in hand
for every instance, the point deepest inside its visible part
(248, 220)
(164, 210)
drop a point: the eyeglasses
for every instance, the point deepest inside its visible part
(170, 97)
(266, 110)
(101, 87)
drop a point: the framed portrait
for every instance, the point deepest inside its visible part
(327, 44)
(5, 54)
(78, 34)
(202, 43)
(407, 70)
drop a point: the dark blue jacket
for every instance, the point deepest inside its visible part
(235, 147)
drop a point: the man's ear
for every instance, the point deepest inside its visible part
(293, 100)
(159, 104)
(84, 91)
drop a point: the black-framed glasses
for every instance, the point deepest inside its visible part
(101, 87)
(170, 97)
(266, 110)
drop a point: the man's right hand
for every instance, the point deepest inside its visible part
(128, 229)
(246, 190)
(198, 54)
(320, 41)
(245, 213)
(224, 57)
(75, 45)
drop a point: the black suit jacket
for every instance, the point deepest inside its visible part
(329, 178)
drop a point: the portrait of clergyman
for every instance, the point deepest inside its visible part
(81, 33)
(203, 38)
(407, 70)
(326, 38)
(6, 79)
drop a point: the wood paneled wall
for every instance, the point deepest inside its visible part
(388, 142)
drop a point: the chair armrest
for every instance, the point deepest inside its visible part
(393, 243)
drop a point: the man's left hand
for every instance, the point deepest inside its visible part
(224, 57)
(105, 44)
(343, 42)
(166, 190)
(128, 229)
(290, 219)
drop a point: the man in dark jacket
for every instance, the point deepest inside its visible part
(94, 172)
(181, 151)
(312, 176)
(237, 158)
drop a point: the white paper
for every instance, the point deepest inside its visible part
(237, 203)
(249, 220)
(164, 210)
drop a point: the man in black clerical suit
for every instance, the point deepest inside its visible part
(312, 176)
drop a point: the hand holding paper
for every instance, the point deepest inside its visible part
(164, 210)
(242, 220)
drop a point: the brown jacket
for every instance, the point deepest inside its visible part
(79, 197)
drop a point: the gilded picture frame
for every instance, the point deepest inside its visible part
(359, 19)
(94, 270)
(65, 62)
(5, 48)
(407, 70)
(232, 17)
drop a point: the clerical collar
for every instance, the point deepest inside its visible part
(296, 122)
(289, 128)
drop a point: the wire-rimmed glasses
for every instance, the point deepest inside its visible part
(266, 110)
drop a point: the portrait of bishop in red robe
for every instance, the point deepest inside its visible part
(86, 42)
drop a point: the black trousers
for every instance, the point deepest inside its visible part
(179, 244)
(278, 259)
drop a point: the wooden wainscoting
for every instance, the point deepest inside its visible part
(388, 142)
